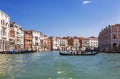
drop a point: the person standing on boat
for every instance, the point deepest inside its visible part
(70, 52)
(77, 52)
(83, 52)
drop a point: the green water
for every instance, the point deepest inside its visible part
(50, 65)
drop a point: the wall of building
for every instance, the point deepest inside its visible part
(28, 40)
(108, 36)
(4, 31)
(36, 40)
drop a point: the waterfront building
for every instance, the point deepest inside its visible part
(60, 44)
(76, 44)
(63, 44)
(16, 40)
(108, 37)
(22, 39)
(84, 43)
(42, 42)
(70, 42)
(93, 42)
(56, 43)
(4, 31)
(28, 39)
(45, 37)
(36, 40)
(11, 37)
(49, 43)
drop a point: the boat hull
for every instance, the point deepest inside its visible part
(68, 54)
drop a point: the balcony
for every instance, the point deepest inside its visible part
(3, 26)
(3, 36)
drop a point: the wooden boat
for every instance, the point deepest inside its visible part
(17, 52)
(86, 54)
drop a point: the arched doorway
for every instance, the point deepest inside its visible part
(114, 45)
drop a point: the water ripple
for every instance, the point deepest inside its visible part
(52, 66)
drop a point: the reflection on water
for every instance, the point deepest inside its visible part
(7, 66)
(64, 69)
(53, 66)
(13, 64)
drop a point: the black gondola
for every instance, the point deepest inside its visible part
(85, 54)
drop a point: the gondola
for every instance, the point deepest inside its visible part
(85, 54)
(17, 52)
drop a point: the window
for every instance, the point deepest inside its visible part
(114, 29)
(6, 24)
(114, 36)
(3, 32)
(36, 38)
(119, 29)
(36, 44)
(119, 36)
(0, 45)
(1, 21)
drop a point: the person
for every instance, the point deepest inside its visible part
(77, 52)
(70, 52)
(82, 52)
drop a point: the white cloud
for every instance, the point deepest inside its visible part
(86, 2)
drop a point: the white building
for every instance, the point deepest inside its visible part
(56, 43)
(93, 42)
(42, 42)
(4, 31)
(63, 44)
(60, 43)
(36, 40)
(22, 39)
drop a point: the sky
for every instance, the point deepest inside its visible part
(63, 17)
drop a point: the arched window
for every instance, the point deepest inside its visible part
(114, 36)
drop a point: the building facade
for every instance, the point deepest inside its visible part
(70, 42)
(16, 40)
(93, 42)
(4, 31)
(28, 40)
(49, 43)
(36, 40)
(76, 44)
(84, 43)
(63, 44)
(108, 37)
(60, 44)
(22, 39)
(56, 43)
(42, 42)
(12, 37)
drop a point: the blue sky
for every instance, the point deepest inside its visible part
(63, 17)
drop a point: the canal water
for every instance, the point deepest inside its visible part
(50, 65)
